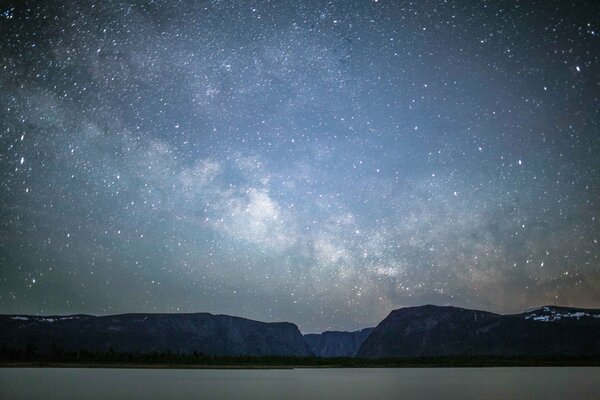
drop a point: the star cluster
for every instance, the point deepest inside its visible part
(316, 162)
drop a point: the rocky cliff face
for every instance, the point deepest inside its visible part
(220, 335)
(336, 343)
(431, 331)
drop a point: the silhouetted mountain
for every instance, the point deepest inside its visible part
(426, 331)
(204, 333)
(432, 331)
(336, 343)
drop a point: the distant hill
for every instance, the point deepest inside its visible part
(203, 333)
(336, 343)
(433, 331)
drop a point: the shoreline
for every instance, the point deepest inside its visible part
(250, 366)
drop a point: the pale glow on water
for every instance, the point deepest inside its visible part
(372, 384)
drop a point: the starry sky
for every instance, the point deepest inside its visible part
(319, 162)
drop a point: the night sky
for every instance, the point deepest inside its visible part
(318, 162)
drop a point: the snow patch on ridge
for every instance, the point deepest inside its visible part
(549, 314)
(44, 319)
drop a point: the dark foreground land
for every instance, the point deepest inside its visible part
(155, 360)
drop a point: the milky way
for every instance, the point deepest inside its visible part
(316, 162)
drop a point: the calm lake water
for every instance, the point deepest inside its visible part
(372, 384)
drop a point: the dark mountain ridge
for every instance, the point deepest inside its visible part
(203, 333)
(336, 343)
(434, 331)
(425, 331)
